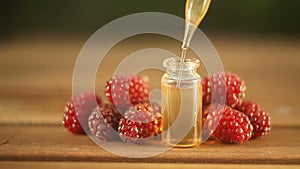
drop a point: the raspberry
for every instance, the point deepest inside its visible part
(104, 121)
(233, 127)
(259, 118)
(226, 87)
(211, 116)
(79, 107)
(124, 91)
(140, 121)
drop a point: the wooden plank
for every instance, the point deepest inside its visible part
(53, 143)
(80, 165)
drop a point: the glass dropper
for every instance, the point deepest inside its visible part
(195, 11)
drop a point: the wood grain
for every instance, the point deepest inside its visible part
(53, 143)
(80, 165)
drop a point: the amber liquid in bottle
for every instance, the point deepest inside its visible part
(183, 105)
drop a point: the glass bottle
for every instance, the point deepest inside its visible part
(181, 105)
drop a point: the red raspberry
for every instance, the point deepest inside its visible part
(124, 91)
(104, 122)
(79, 107)
(233, 127)
(259, 118)
(211, 116)
(140, 121)
(227, 88)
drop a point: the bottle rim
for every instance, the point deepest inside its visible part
(174, 63)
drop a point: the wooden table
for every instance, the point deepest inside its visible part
(36, 82)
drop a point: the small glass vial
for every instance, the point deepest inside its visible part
(181, 103)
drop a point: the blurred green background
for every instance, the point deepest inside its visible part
(86, 16)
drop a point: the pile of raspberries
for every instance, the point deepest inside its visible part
(130, 116)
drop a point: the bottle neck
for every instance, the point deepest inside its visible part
(181, 70)
(182, 74)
